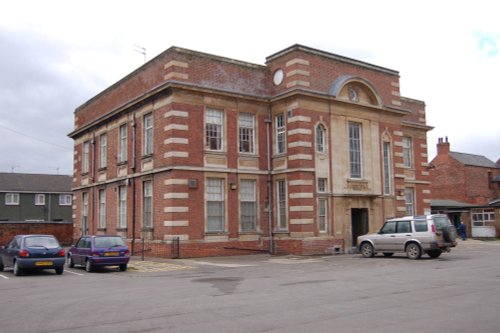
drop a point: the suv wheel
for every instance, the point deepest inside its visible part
(366, 250)
(413, 251)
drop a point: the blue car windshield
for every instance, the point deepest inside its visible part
(108, 241)
(41, 241)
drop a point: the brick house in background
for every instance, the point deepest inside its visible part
(298, 156)
(467, 188)
(35, 203)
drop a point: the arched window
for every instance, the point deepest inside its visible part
(320, 139)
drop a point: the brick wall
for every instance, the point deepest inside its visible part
(63, 231)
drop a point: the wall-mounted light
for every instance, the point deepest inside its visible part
(233, 186)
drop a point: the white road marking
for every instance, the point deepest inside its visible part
(68, 271)
(6, 278)
(221, 265)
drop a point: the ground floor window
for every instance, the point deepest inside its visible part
(248, 205)
(410, 201)
(85, 212)
(483, 217)
(322, 215)
(147, 204)
(215, 204)
(281, 202)
(102, 209)
(122, 207)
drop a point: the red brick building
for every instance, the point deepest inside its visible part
(300, 155)
(467, 187)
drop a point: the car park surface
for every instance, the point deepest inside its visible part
(261, 293)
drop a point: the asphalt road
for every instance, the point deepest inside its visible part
(459, 292)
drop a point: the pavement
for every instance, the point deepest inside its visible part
(157, 264)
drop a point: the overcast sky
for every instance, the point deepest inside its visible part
(55, 55)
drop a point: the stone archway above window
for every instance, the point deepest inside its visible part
(356, 90)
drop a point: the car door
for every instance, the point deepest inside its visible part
(85, 249)
(11, 250)
(385, 240)
(77, 253)
(403, 233)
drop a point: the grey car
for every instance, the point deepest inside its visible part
(413, 235)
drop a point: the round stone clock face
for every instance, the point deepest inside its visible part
(278, 77)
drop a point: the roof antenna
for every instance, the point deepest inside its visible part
(141, 50)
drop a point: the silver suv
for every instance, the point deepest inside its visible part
(415, 235)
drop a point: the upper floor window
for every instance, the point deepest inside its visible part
(355, 149)
(407, 152)
(65, 199)
(280, 130)
(39, 199)
(386, 156)
(246, 123)
(214, 125)
(122, 144)
(320, 139)
(12, 199)
(103, 149)
(85, 157)
(148, 134)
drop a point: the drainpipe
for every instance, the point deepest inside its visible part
(134, 151)
(268, 122)
(92, 180)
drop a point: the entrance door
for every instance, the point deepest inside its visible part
(359, 223)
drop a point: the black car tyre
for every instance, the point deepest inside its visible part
(88, 266)
(71, 263)
(366, 250)
(434, 254)
(17, 271)
(123, 267)
(1, 266)
(59, 270)
(413, 251)
(388, 254)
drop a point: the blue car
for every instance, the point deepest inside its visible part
(32, 252)
(99, 251)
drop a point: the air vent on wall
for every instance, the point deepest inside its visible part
(193, 183)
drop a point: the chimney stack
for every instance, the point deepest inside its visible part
(443, 146)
